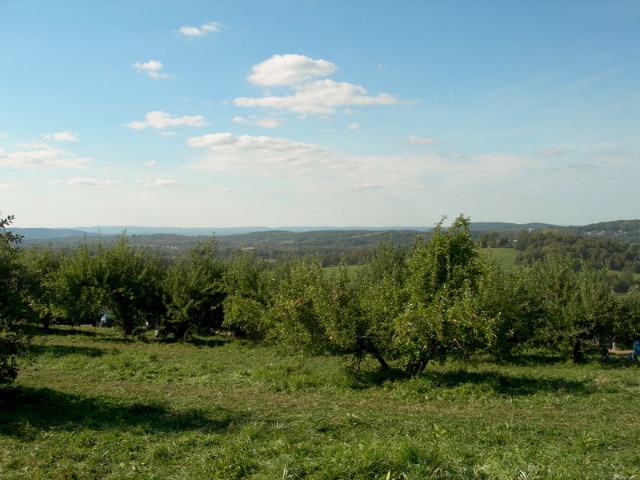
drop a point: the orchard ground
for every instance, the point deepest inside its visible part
(90, 404)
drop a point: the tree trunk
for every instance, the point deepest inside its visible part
(9, 398)
(578, 356)
(418, 366)
(181, 331)
(383, 363)
(367, 344)
(127, 326)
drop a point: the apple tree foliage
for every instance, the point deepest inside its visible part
(248, 284)
(442, 317)
(12, 304)
(129, 283)
(194, 293)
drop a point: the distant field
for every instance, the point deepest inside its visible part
(507, 256)
(91, 405)
(352, 270)
(636, 276)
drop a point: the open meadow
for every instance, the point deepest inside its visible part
(90, 404)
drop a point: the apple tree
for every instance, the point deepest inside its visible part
(12, 304)
(194, 292)
(443, 317)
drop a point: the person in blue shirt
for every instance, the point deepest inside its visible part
(636, 350)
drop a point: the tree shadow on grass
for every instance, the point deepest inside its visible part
(364, 379)
(205, 342)
(487, 381)
(61, 331)
(102, 334)
(508, 385)
(616, 362)
(58, 351)
(46, 409)
(592, 357)
(532, 359)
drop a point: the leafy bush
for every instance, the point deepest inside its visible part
(443, 317)
(12, 304)
(194, 293)
(247, 295)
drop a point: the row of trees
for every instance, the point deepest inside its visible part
(597, 252)
(442, 297)
(11, 304)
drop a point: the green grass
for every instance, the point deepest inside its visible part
(636, 276)
(91, 405)
(506, 256)
(352, 270)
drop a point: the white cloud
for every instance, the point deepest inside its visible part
(10, 186)
(308, 94)
(41, 155)
(354, 126)
(151, 163)
(260, 122)
(91, 182)
(289, 69)
(160, 183)
(319, 97)
(201, 31)
(415, 140)
(302, 167)
(65, 136)
(271, 154)
(553, 152)
(151, 69)
(159, 120)
(219, 189)
(367, 186)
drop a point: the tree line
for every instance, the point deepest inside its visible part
(403, 307)
(599, 253)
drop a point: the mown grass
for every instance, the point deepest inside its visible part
(91, 405)
(352, 270)
(620, 273)
(506, 256)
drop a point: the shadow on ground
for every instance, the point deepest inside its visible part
(487, 381)
(510, 385)
(205, 342)
(58, 351)
(68, 332)
(24, 409)
(532, 359)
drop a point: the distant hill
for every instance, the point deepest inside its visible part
(59, 233)
(622, 230)
(507, 227)
(71, 233)
(49, 233)
(332, 245)
(190, 232)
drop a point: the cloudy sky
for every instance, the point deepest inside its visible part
(318, 113)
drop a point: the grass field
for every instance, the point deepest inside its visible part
(506, 256)
(92, 405)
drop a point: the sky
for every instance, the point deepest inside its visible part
(318, 113)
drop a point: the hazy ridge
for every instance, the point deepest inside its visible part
(625, 230)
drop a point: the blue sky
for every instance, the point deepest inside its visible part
(318, 113)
